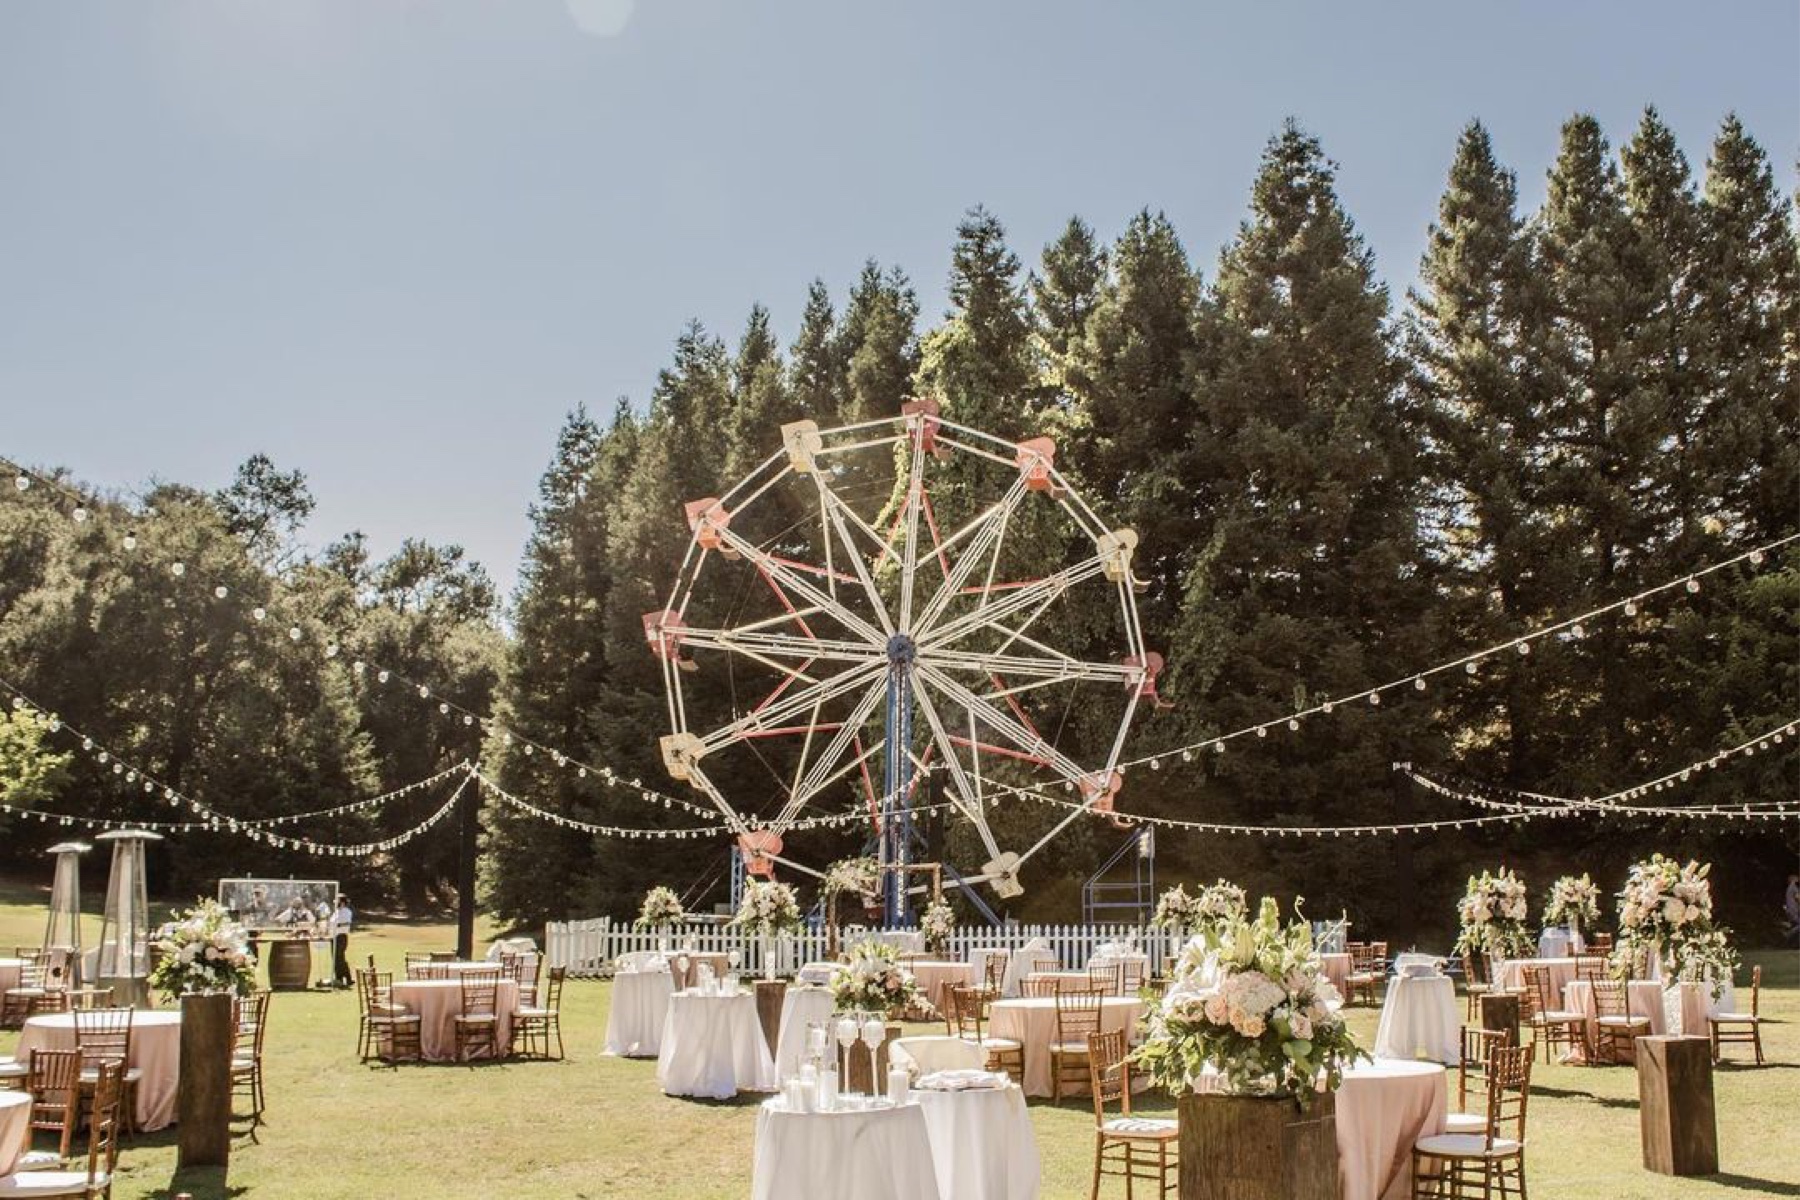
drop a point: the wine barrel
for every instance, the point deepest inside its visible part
(290, 965)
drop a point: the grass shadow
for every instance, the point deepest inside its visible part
(1749, 1183)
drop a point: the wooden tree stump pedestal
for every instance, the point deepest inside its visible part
(1500, 1010)
(769, 997)
(1256, 1148)
(856, 1069)
(1675, 1105)
(203, 1099)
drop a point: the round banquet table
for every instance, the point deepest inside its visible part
(982, 1145)
(800, 1007)
(1643, 998)
(439, 1002)
(15, 1128)
(1337, 970)
(1384, 1107)
(1419, 1020)
(937, 978)
(155, 1053)
(1687, 1005)
(713, 1046)
(877, 1154)
(1031, 1021)
(634, 1022)
(1562, 973)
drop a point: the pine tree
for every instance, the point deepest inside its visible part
(1063, 296)
(979, 361)
(815, 374)
(761, 402)
(878, 344)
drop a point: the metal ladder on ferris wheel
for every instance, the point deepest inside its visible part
(1104, 899)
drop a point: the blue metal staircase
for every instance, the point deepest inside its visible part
(1109, 896)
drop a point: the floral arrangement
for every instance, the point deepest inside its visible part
(937, 923)
(874, 981)
(1492, 914)
(204, 950)
(768, 907)
(859, 875)
(1269, 1023)
(1207, 908)
(1667, 906)
(662, 908)
(1573, 899)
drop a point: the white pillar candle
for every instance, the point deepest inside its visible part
(899, 1085)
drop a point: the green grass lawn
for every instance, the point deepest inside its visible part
(596, 1126)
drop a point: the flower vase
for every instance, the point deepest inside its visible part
(1576, 945)
(768, 956)
(662, 945)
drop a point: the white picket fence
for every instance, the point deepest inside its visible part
(589, 948)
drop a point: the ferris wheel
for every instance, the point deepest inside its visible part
(890, 598)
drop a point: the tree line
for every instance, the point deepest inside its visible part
(1331, 486)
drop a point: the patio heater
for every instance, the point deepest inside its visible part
(62, 936)
(124, 956)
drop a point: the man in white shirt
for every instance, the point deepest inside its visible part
(340, 942)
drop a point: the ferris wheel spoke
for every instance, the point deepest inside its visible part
(1017, 600)
(1012, 664)
(837, 509)
(826, 769)
(778, 645)
(706, 787)
(992, 530)
(776, 715)
(915, 485)
(804, 587)
(1004, 723)
(968, 790)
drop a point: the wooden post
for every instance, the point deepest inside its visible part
(769, 996)
(1257, 1148)
(204, 1095)
(1675, 1105)
(1500, 1010)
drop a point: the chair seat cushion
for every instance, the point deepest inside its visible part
(1625, 1022)
(1140, 1127)
(1733, 1019)
(476, 1018)
(1069, 1048)
(1465, 1145)
(38, 1160)
(90, 1075)
(533, 1014)
(1001, 1045)
(49, 1183)
(13, 1067)
(1559, 1018)
(1473, 1123)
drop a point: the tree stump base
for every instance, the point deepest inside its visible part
(1258, 1148)
(203, 1097)
(769, 997)
(1675, 1105)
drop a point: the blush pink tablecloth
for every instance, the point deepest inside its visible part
(10, 969)
(937, 978)
(1337, 970)
(1643, 998)
(1562, 972)
(439, 1002)
(155, 1052)
(1031, 1021)
(1382, 1109)
(15, 1128)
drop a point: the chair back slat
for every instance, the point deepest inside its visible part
(1109, 1073)
(103, 1035)
(1509, 1092)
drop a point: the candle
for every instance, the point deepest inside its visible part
(899, 1083)
(828, 1089)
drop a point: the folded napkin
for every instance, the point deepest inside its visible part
(962, 1081)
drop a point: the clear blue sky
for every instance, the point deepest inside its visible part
(392, 242)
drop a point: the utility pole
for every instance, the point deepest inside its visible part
(468, 849)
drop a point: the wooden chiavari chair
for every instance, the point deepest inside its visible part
(972, 1006)
(35, 992)
(1475, 985)
(247, 1050)
(1035, 987)
(1109, 979)
(1617, 1029)
(1490, 1163)
(1045, 964)
(1365, 973)
(1123, 1145)
(1740, 1028)
(54, 1082)
(1601, 944)
(1077, 1015)
(388, 1032)
(1131, 976)
(993, 970)
(104, 1123)
(477, 1026)
(1551, 1024)
(535, 1025)
(1590, 968)
(103, 1035)
(1478, 1046)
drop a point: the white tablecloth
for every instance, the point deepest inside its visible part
(881, 1154)
(1555, 943)
(1384, 1107)
(439, 1002)
(1031, 1021)
(1419, 1020)
(713, 1046)
(937, 978)
(1021, 963)
(155, 1052)
(1687, 1005)
(978, 958)
(800, 1007)
(15, 1128)
(10, 970)
(982, 1145)
(1413, 958)
(816, 972)
(640, 1001)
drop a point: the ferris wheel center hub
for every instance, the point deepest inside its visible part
(901, 650)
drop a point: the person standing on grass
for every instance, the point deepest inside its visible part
(340, 942)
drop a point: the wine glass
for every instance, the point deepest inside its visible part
(845, 1031)
(735, 958)
(874, 1032)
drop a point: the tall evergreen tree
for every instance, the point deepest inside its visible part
(1064, 294)
(816, 373)
(878, 344)
(979, 361)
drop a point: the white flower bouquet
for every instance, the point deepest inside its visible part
(768, 907)
(873, 980)
(1667, 907)
(204, 950)
(1492, 915)
(1207, 908)
(1269, 1023)
(937, 923)
(859, 875)
(661, 908)
(1573, 899)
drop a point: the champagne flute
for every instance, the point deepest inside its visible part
(846, 1031)
(874, 1032)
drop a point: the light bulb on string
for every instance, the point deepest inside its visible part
(1375, 698)
(1293, 724)
(1631, 608)
(80, 514)
(178, 569)
(1418, 683)
(1693, 585)
(23, 483)
(1469, 667)
(221, 591)
(381, 676)
(1756, 557)
(1576, 631)
(1262, 731)
(129, 541)
(1524, 649)
(259, 612)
